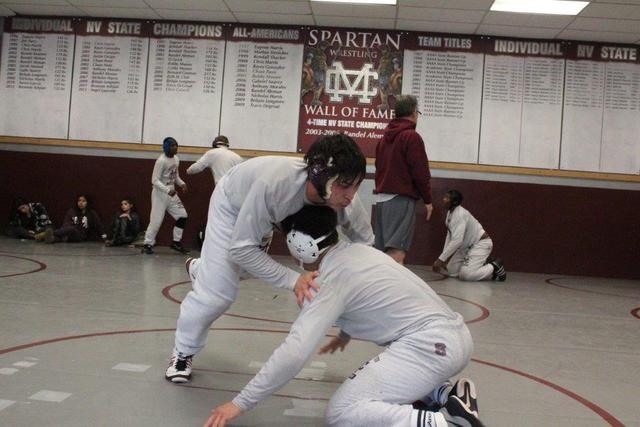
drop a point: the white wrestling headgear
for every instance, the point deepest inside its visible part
(304, 247)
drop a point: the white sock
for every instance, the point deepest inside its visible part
(440, 394)
(422, 418)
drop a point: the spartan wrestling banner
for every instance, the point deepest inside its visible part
(349, 81)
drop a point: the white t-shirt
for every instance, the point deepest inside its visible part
(218, 160)
(263, 191)
(166, 174)
(367, 294)
(463, 231)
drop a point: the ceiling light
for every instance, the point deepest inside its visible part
(391, 2)
(550, 7)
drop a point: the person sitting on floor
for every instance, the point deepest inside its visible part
(125, 226)
(78, 222)
(27, 219)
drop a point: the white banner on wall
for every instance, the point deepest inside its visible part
(541, 112)
(582, 117)
(621, 120)
(107, 98)
(601, 124)
(522, 104)
(501, 110)
(184, 84)
(446, 77)
(261, 95)
(35, 77)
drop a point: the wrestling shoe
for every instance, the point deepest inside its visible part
(177, 246)
(147, 249)
(499, 273)
(179, 370)
(458, 414)
(466, 391)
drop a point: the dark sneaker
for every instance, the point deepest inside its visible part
(499, 273)
(458, 414)
(179, 370)
(177, 246)
(466, 391)
(147, 249)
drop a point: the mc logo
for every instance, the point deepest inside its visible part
(341, 82)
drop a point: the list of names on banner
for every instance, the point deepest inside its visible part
(601, 120)
(100, 70)
(583, 109)
(522, 104)
(621, 119)
(110, 62)
(261, 87)
(542, 112)
(445, 74)
(259, 80)
(35, 78)
(29, 61)
(184, 83)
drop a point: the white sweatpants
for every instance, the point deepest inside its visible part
(161, 202)
(380, 393)
(214, 276)
(469, 263)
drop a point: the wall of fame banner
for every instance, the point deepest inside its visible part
(548, 104)
(349, 80)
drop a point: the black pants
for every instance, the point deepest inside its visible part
(18, 232)
(121, 232)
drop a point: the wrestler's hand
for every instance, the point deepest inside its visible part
(438, 266)
(303, 286)
(335, 344)
(222, 414)
(429, 208)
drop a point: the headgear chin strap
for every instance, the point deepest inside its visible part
(304, 247)
(322, 175)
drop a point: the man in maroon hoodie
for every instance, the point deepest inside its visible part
(402, 178)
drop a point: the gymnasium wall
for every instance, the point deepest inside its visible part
(540, 228)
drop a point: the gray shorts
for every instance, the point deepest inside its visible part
(394, 223)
